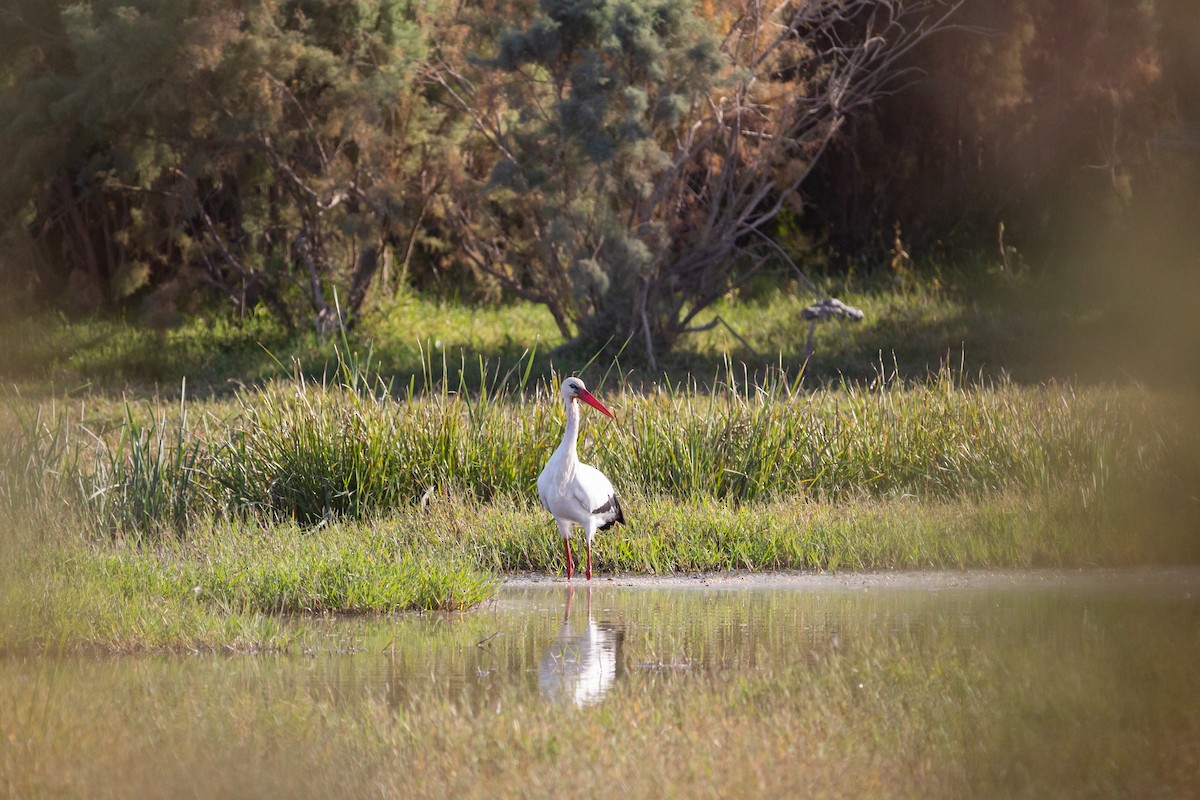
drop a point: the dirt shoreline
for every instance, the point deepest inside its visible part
(1182, 577)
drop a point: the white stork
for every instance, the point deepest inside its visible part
(574, 492)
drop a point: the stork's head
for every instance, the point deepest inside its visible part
(573, 389)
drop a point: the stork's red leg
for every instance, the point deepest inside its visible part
(589, 566)
(570, 565)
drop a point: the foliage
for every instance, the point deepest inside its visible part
(262, 151)
(626, 164)
(144, 482)
(588, 101)
(40, 466)
(640, 152)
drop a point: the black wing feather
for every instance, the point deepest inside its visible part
(611, 509)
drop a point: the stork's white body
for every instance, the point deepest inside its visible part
(574, 492)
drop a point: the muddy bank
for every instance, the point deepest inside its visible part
(1186, 578)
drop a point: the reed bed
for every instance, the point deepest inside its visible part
(314, 451)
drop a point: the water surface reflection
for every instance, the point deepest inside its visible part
(584, 660)
(574, 645)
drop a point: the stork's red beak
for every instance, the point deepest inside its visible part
(591, 400)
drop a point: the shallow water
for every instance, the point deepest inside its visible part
(999, 683)
(578, 644)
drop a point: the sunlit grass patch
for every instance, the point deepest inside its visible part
(311, 451)
(226, 587)
(669, 536)
(223, 587)
(338, 569)
(910, 327)
(315, 451)
(217, 354)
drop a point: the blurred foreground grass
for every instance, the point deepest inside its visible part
(1016, 692)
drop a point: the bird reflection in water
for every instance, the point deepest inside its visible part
(583, 661)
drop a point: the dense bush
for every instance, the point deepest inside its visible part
(264, 151)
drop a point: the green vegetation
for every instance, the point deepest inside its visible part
(306, 451)
(188, 523)
(989, 327)
(225, 586)
(289, 288)
(353, 444)
(218, 589)
(624, 164)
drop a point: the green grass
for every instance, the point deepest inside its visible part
(223, 588)
(668, 536)
(304, 497)
(115, 355)
(308, 451)
(910, 328)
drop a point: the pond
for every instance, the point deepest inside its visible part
(988, 684)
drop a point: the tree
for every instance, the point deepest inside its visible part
(268, 151)
(311, 121)
(640, 151)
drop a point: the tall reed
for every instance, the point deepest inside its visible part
(145, 481)
(354, 446)
(40, 463)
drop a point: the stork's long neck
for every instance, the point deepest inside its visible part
(567, 448)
